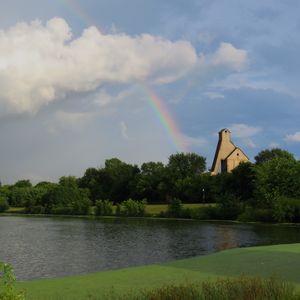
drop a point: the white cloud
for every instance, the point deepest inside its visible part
(293, 137)
(244, 130)
(42, 63)
(214, 95)
(228, 55)
(124, 130)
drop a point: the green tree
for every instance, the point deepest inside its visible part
(279, 176)
(67, 198)
(3, 204)
(150, 182)
(123, 178)
(183, 165)
(268, 154)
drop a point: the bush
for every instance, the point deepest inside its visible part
(37, 209)
(229, 207)
(7, 281)
(175, 208)
(132, 208)
(251, 214)
(204, 213)
(3, 204)
(104, 208)
(286, 210)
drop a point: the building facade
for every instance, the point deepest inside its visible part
(227, 156)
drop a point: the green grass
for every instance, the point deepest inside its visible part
(16, 210)
(155, 209)
(282, 261)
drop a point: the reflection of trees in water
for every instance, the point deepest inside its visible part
(226, 237)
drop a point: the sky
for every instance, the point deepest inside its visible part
(82, 81)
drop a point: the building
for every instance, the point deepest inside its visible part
(227, 156)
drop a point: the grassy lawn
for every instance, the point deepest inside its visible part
(155, 209)
(16, 210)
(280, 260)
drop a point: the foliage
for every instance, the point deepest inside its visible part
(277, 177)
(269, 154)
(229, 207)
(286, 210)
(103, 208)
(151, 182)
(182, 165)
(3, 204)
(175, 208)
(241, 288)
(7, 282)
(67, 198)
(132, 208)
(205, 213)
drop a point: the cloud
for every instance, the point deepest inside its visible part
(69, 120)
(244, 130)
(124, 130)
(214, 95)
(293, 137)
(229, 56)
(42, 63)
(244, 133)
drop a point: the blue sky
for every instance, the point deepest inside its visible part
(71, 73)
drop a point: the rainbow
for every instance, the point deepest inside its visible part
(77, 11)
(165, 118)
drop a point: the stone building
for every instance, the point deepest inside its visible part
(227, 156)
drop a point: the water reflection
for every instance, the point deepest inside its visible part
(51, 247)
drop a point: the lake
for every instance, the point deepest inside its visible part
(44, 247)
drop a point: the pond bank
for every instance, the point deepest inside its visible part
(282, 261)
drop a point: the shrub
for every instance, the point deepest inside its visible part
(3, 204)
(175, 208)
(132, 208)
(242, 288)
(251, 214)
(37, 209)
(229, 207)
(104, 208)
(7, 281)
(204, 213)
(286, 210)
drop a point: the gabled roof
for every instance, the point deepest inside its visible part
(237, 148)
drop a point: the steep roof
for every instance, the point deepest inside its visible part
(237, 148)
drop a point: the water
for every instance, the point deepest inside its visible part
(51, 247)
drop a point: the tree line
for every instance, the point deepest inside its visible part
(267, 190)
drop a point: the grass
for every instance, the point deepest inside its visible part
(282, 261)
(155, 209)
(241, 288)
(16, 210)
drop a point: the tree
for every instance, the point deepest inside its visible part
(67, 198)
(150, 182)
(268, 154)
(278, 177)
(244, 181)
(123, 178)
(183, 165)
(3, 204)
(183, 170)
